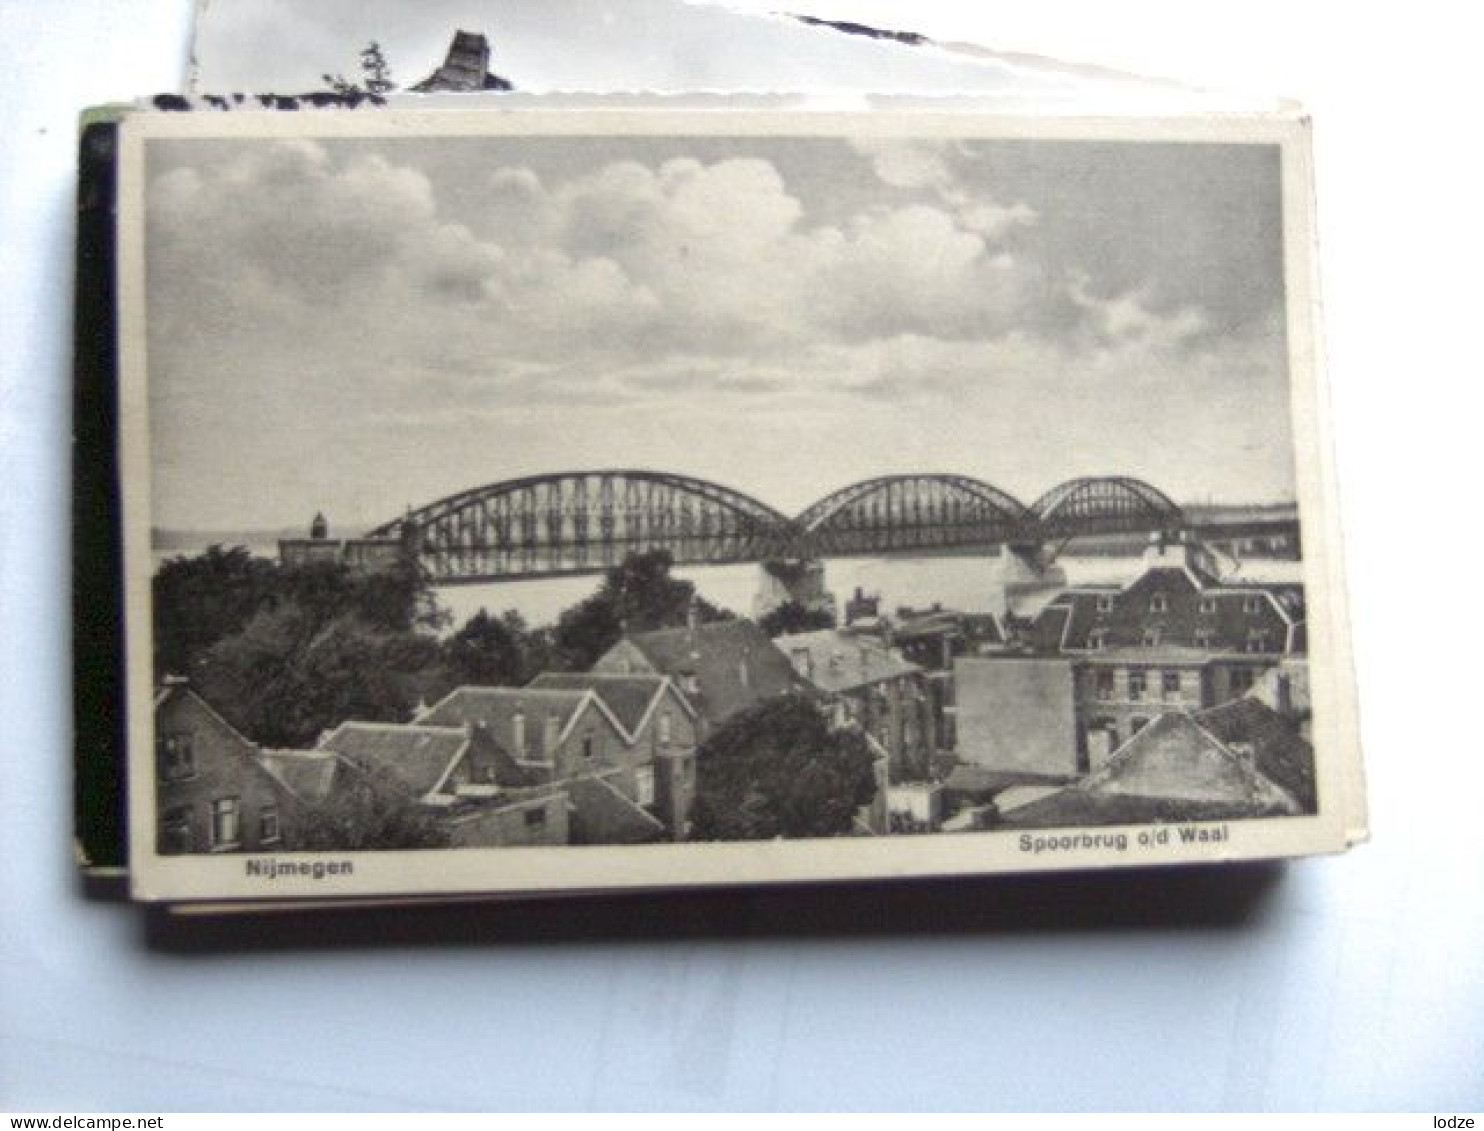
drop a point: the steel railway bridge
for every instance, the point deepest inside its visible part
(579, 522)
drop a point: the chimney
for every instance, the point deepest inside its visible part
(1283, 695)
(319, 529)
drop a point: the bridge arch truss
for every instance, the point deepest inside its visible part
(1105, 505)
(911, 512)
(587, 522)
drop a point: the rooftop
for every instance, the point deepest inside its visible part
(835, 661)
(734, 663)
(628, 696)
(419, 755)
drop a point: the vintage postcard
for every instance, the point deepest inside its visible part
(551, 501)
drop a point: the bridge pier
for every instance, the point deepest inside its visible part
(801, 581)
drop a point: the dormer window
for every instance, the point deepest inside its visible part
(1159, 603)
(1105, 604)
(1251, 605)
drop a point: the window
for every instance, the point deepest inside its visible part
(1104, 683)
(1137, 681)
(1159, 603)
(1095, 641)
(177, 756)
(1258, 641)
(225, 814)
(518, 729)
(690, 683)
(1170, 684)
(269, 829)
(1151, 638)
(1251, 605)
(1208, 604)
(664, 729)
(1203, 640)
(1105, 604)
(588, 746)
(551, 732)
(644, 785)
(535, 818)
(175, 832)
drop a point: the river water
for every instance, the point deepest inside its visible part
(969, 583)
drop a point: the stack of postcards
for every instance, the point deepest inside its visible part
(773, 452)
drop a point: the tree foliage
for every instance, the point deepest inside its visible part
(637, 596)
(793, 616)
(492, 651)
(369, 810)
(376, 74)
(779, 770)
(287, 677)
(198, 600)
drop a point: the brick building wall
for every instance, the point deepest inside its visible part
(210, 793)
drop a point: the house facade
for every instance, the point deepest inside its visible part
(868, 686)
(212, 792)
(1174, 603)
(661, 728)
(560, 735)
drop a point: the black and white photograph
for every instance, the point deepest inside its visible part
(761, 497)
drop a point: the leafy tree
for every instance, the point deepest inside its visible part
(369, 809)
(489, 651)
(792, 616)
(638, 596)
(285, 677)
(198, 600)
(779, 770)
(376, 74)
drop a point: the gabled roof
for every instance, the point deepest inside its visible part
(1175, 757)
(176, 688)
(1281, 753)
(839, 661)
(630, 697)
(715, 654)
(306, 774)
(420, 756)
(495, 707)
(603, 815)
(1172, 770)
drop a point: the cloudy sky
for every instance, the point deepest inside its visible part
(356, 325)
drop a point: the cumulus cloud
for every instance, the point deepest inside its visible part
(685, 288)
